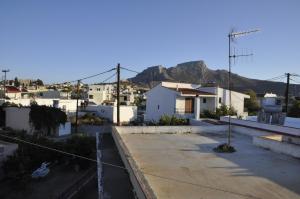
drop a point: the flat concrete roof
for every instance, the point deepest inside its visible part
(184, 166)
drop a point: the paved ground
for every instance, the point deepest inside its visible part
(117, 184)
(49, 187)
(184, 166)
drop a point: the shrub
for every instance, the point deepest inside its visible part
(88, 119)
(222, 111)
(224, 148)
(166, 120)
(45, 117)
(295, 110)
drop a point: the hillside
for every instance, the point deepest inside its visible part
(197, 72)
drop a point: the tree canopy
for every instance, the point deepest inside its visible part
(295, 109)
(251, 104)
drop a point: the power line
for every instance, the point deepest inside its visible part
(130, 70)
(60, 151)
(276, 78)
(87, 77)
(295, 81)
(112, 165)
(113, 75)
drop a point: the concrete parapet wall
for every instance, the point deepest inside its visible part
(277, 146)
(262, 126)
(171, 129)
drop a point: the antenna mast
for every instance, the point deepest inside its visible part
(231, 36)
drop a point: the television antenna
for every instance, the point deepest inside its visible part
(231, 38)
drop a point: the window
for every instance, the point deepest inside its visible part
(278, 102)
(220, 100)
(157, 107)
(91, 96)
(204, 100)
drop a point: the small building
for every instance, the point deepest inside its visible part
(188, 100)
(127, 113)
(98, 93)
(18, 119)
(11, 92)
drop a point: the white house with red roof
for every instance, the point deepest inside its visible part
(13, 92)
(189, 100)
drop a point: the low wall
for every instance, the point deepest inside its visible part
(141, 187)
(127, 113)
(171, 129)
(253, 132)
(262, 126)
(277, 146)
(17, 118)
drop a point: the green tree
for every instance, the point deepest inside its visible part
(295, 109)
(251, 104)
(39, 82)
(16, 82)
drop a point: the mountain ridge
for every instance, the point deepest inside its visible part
(198, 72)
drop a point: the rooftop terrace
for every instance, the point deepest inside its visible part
(183, 165)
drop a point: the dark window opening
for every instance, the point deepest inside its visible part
(220, 100)
(204, 100)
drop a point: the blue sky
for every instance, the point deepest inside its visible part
(61, 40)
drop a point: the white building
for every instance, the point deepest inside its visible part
(67, 105)
(188, 100)
(99, 93)
(17, 118)
(127, 113)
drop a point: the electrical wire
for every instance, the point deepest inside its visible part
(130, 70)
(121, 167)
(60, 151)
(88, 77)
(295, 81)
(276, 78)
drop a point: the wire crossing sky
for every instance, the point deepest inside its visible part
(61, 40)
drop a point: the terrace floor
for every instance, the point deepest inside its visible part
(185, 166)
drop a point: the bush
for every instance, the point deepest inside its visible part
(88, 119)
(27, 158)
(166, 120)
(222, 111)
(295, 109)
(45, 117)
(224, 148)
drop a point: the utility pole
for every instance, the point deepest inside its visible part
(77, 98)
(231, 37)
(287, 91)
(4, 85)
(118, 95)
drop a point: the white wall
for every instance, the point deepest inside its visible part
(237, 99)
(18, 118)
(269, 127)
(100, 92)
(209, 105)
(68, 104)
(169, 129)
(64, 129)
(160, 101)
(127, 113)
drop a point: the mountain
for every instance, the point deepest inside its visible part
(198, 73)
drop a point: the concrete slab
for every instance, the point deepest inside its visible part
(184, 166)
